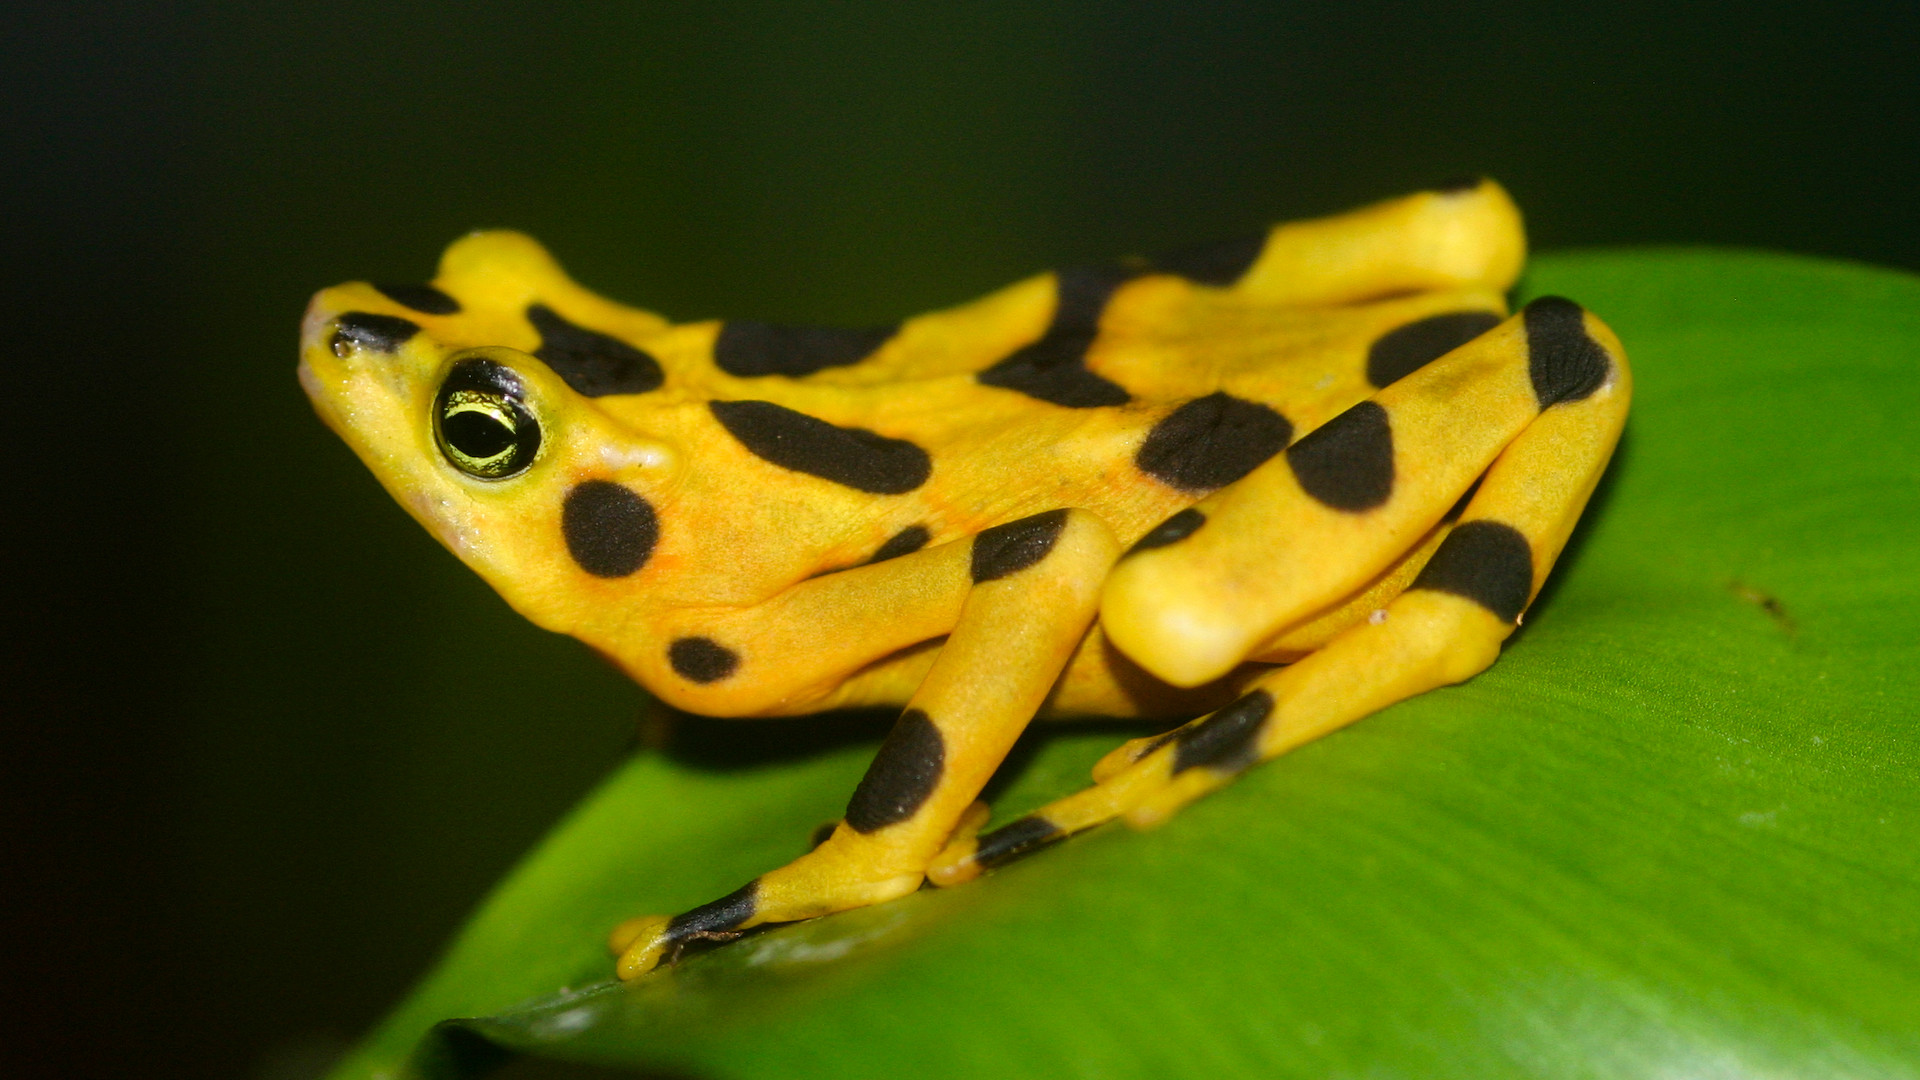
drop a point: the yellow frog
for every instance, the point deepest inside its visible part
(1278, 484)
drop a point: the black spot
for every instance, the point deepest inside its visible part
(855, 457)
(701, 660)
(1455, 185)
(1011, 548)
(1053, 369)
(594, 364)
(1174, 529)
(905, 542)
(1347, 463)
(1566, 363)
(748, 349)
(1401, 352)
(1219, 264)
(610, 531)
(1486, 562)
(381, 333)
(1226, 740)
(1212, 441)
(718, 917)
(424, 299)
(1015, 840)
(1083, 293)
(902, 776)
(822, 833)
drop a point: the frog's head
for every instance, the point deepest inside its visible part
(473, 400)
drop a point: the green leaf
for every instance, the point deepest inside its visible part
(1675, 831)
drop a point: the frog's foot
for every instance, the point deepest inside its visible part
(813, 885)
(1033, 587)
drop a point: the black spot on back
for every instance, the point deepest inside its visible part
(1347, 463)
(1015, 840)
(1011, 548)
(1487, 562)
(718, 917)
(609, 530)
(1403, 351)
(381, 333)
(1455, 185)
(1174, 529)
(701, 660)
(1219, 264)
(424, 299)
(856, 457)
(594, 364)
(747, 348)
(1565, 362)
(1053, 369)
(1225, 740)
(1212, 441)
(902, 776)
(905, 542)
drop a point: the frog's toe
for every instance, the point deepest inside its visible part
(646, 942)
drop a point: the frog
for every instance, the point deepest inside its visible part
(1244, 493)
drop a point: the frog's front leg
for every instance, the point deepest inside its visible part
(1034, 588)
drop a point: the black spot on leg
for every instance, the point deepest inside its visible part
(609, 530)
(381, 333)
(747, 348)
(1347, 463)
(1487, 562)
(717, 918)
(1171, 531)
(1456, 185)
(592, 363)
(905, 542)
(702, 660)
(1017, 839)
(1564, 360)
(855, 457)
(424, 299)
(1225, 740)
(1401, 352)
(1053, 369)
(1219, 264)
(1011, 548)
(1212, 441)
(902, 776)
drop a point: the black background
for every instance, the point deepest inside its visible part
(262, 744)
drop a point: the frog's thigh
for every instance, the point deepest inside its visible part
(1446, 627)
(1036, 587)
(1315, 524)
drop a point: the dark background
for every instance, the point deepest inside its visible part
(262, 743)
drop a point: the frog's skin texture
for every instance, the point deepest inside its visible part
(1278, 484)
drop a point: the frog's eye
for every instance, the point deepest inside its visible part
(482, 422)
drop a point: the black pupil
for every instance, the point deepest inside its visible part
(476, 434)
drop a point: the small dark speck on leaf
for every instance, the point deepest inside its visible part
(1766, 602)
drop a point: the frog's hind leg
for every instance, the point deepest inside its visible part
(1445, 627)
(1035, 586)
(1313, 525)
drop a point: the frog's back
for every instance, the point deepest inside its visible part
(1130, 390)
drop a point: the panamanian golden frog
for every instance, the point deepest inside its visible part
(1276, 484)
